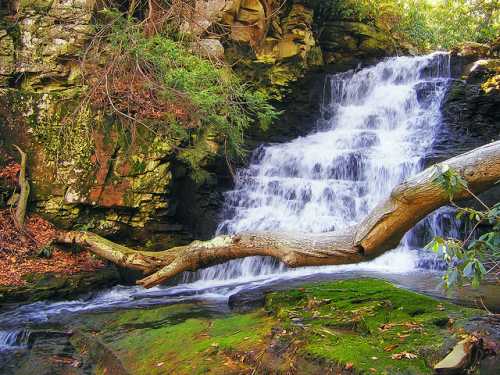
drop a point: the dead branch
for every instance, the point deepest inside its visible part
(22, 203)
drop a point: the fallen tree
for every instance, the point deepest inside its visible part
(380, 231)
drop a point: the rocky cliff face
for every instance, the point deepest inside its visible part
(92, 178)
(471, 108)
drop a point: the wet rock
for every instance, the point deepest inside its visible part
(310, 329)
(346, 44)
(471, 107)
(246, 301)
(57, 286)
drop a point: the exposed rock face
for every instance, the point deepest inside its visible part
(471, 109)
(52, 34)
(347, 44)
(7, 62)
(95, 177)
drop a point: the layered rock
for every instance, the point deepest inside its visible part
(471, 108)
(85, 171)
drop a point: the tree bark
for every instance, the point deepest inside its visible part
(22, 203)
(380, 231)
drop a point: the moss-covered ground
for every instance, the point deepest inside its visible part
(351, 326)
(369, 325)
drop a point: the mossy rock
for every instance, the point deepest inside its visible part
(179, 339)
(42, 286)
(362, 324)
(322, 328)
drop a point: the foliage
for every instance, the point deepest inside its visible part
(427, 24)
(456, 21)
(478, 255)
(157, 81)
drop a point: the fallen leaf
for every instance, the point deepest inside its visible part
(402, 337)
(390, 348)
(348, 365)
(412, 326)
(386, 326)
(159, 364)
(404, 355)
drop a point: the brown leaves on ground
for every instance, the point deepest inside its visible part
(410, 326)
(404, 355)
(390, 348)
(9, 173)
(19, 249)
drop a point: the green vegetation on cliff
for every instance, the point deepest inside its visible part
(163, 82)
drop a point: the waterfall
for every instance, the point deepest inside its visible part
(13, 339)
(377, 125)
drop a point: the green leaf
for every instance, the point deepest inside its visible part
(469, 270)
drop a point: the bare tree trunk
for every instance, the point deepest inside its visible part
(22, 204)
(380, 231)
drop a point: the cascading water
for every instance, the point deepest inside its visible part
(13, 339)
(382, 122)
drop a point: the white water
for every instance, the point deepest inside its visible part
(384, 122)
(13, 339)
(378, 125)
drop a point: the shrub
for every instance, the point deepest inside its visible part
(477, 255)
(157, 81)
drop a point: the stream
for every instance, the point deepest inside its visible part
(377, 127)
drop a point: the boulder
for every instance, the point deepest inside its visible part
(457, 360)
(201, 16)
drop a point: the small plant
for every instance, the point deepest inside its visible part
(477, 256)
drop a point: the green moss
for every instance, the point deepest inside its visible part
(57, 122)
(182, 338)
(323, 326)
(365, 322)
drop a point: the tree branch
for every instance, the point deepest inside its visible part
(380, 231)
(22, 203)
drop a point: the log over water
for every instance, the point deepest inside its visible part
(380, 231)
